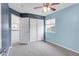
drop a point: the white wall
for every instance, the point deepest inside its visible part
(15, 31)
(0, 27)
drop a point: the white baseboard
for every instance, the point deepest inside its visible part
(0, 54)
(63, 47)
(9, 50)
(36, 41)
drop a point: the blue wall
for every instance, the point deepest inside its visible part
(5, 21)
(67, 27)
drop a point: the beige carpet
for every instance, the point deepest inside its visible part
(39, 49)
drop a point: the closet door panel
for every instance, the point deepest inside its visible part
(24, 30)
(33, 35)
(40, 29)
(14, 29)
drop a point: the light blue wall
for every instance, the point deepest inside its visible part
(50, 36)
(5, 24)
(67, 27)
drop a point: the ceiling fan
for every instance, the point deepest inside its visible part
(47, 6)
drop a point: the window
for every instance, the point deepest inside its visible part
(50, 25)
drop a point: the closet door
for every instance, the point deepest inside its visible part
(40, 30)
(33, 30)
(24, 30)
(15, 29)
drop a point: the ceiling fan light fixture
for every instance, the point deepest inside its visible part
(49, 8)
(45, 9)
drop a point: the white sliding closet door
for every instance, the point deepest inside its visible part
(24, 30)
(40, 30)
(0, 27)
(14, 29)
(33, 29)
(36, 29)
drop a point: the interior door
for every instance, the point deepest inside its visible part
(24, 30)
(33, 29)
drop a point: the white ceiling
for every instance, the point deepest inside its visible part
(29, 8)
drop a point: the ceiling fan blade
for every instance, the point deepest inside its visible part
(45, 4)
(54, 4)
(38, 7)
(53, 9)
